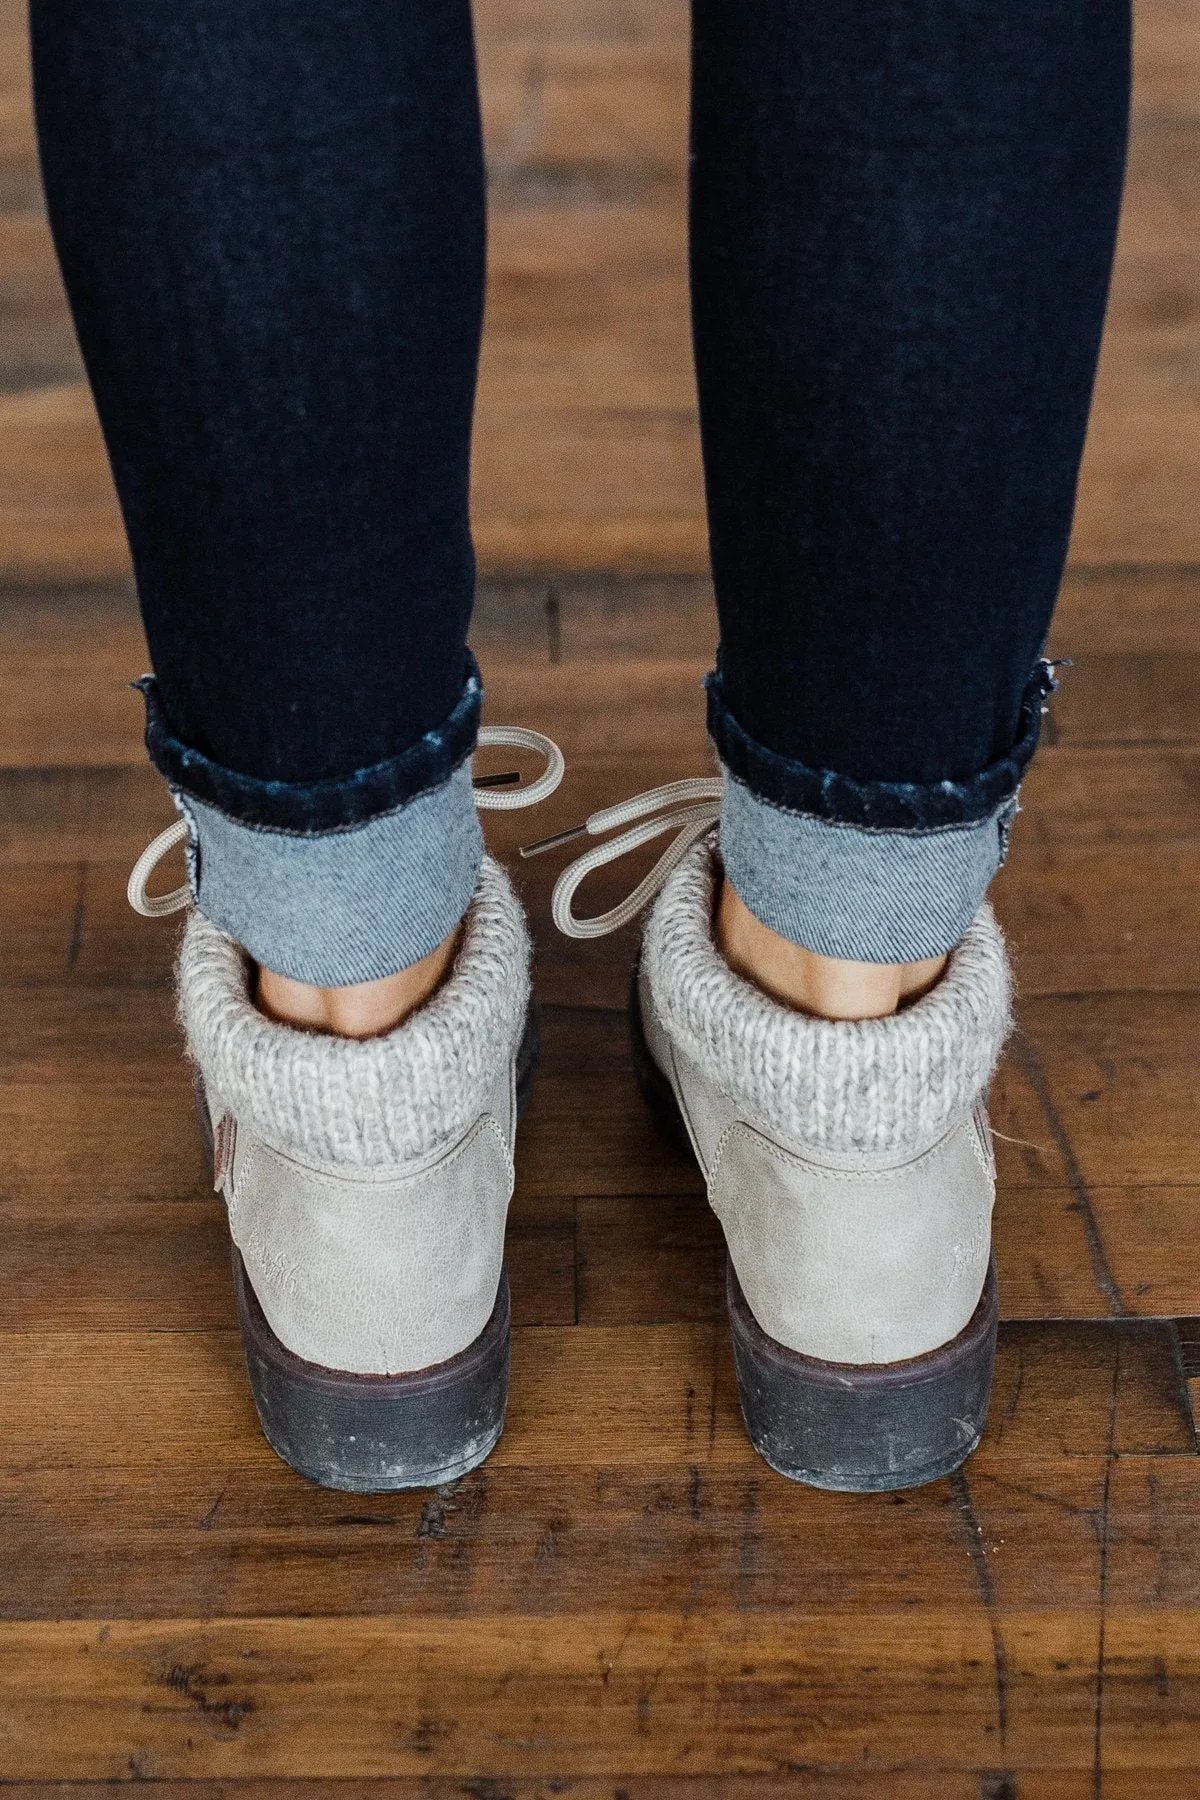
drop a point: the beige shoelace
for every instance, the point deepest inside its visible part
(493, 793)
(692, 808)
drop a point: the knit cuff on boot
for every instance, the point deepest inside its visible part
(371, 1102)
(889, 1086)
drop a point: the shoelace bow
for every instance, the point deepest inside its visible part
(493, 793)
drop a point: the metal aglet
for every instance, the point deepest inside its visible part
(552, 843)
(508, 779)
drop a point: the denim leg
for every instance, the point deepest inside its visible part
(902, 225)
(270, 221)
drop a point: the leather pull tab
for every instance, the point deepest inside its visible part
(224, 1139)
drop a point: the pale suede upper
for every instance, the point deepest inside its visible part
(381, 1270)
(854, 1257)
(368, 1182)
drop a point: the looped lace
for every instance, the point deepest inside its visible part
(692, 809)
(493, 793)
(157, 906)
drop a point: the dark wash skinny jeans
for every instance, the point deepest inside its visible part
(270, 217)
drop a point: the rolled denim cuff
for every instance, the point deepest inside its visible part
(870, 871)
(337, 907)
(332, 882)
(315, 806)
(870, 896)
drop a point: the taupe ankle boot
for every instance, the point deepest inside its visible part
(851, 1167)
(367, 1185)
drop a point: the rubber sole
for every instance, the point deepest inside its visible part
(864, 1428)
(850, 1427)
(371, 1434)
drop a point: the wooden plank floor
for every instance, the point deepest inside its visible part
(624, 1604)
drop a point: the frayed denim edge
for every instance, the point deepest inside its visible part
(884, 806)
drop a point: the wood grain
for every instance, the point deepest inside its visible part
(650, 1394)
(797, 1784)
(416, 1695)
(624, 1603)
(248, 1540)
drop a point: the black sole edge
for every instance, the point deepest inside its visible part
(374, 1434)
(865, 1428)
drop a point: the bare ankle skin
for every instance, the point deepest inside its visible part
(363, 1011)
(824, 986)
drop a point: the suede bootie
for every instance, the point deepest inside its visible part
(367, 1185)
(851, 1167)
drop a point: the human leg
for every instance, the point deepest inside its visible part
(902, 227)
(270, 222)
(271, 225)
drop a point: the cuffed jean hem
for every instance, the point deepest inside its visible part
(917, 806)
(866, 895)
(328, 805)
(337, 907)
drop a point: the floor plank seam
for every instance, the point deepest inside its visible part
(1098, 1727)
(1030, 1064)
(977, 1551)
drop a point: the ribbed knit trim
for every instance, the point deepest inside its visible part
(882, 1086)
(372, 1102)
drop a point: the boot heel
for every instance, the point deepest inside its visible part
(864, 1427)
(376, 1433)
